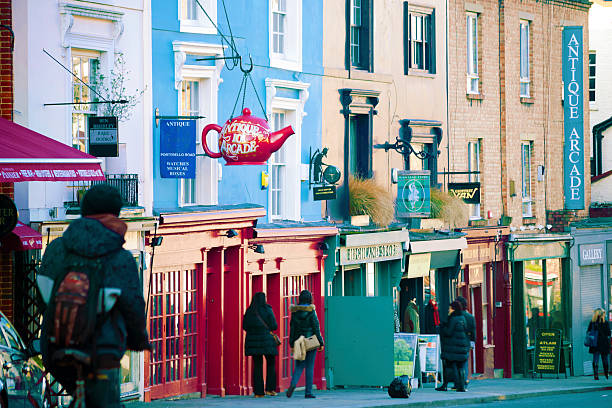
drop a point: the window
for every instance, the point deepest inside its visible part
(474, 166)
(592, 63)
(419, 40)
(525, 92)
(526, 178)
(285, 36)
(359, 34)
(278, 173)
(472, 53)
(194, 20)
(189, 107)
(85, 67)
(360, 147)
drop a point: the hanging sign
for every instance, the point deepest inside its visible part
(413, 193)
(418, 265)
(103, 136)
(8, 215)
(573, 118)
(468, 192)
(245, 139)
(547, 351)
(324, 193)
(404, 354)
(177, 155)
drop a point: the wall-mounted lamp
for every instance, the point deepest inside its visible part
(258, 249)
(231, 233)
(156, 241)
(323, 246)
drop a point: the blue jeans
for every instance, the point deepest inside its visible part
(309, 363)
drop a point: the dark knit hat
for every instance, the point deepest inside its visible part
(463, 301)
(101, 199)
(456, 306)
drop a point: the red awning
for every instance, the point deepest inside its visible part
(29, 156)
(22, 238)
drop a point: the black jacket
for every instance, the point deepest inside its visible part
(603, 337)
(258, 340)
(304, 322)
(470, 325)
(455, 341)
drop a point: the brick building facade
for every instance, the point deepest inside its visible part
(510, 120)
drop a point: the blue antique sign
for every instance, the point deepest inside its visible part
(573, 118)
(177, 152)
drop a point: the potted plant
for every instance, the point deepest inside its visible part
(369, 200)
(449, 208)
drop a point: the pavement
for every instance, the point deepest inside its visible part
(480, 391)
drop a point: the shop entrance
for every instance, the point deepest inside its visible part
(591, 296)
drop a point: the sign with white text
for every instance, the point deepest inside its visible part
(413, 193)
(592, 254)
(468, 192)
(371, 253)
(573, 118)
(177, 151)
(103, 136)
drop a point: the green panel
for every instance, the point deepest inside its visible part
(444, 259)
(359, 343)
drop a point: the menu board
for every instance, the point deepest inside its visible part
(404, 354)
(547, 351)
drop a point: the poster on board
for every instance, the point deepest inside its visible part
(404, 354)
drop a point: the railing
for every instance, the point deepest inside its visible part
(127, 184)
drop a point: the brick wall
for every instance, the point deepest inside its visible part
(499, 116)
(561, 219)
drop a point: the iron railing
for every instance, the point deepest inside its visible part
(127, 184)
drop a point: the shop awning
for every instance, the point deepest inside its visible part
(419, 247)
(22, 238)
(29, 156)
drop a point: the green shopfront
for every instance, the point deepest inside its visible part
(541, 293)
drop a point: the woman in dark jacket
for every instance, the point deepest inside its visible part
(259, 322)
(599, 323)
(455, 347)
(304, 322)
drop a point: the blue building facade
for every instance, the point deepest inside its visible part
(284, 39)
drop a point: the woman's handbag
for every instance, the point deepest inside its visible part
(277, 339)
(591, 338)
(312, 343)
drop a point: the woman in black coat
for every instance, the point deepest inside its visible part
(455, 347)
(599, 323)
(259, 322)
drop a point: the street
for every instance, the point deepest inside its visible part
(600, 399)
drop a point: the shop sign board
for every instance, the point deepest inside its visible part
(592, 254)
(404, 353)
(547, 351)
(103, 136)
(429, 352)
(8, 215)
(177, 156)
(482, 253)
(324, 193)
(468, 192)
(573, 117)
(524, 252)
(370, 253)
(418, 265)
(476, 274)
(413, 193)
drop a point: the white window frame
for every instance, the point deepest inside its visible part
(200, 25)
(473, 86)
(208, 76)
(193, 111)
(294, 113)
(524, 71)
(291, 58)
(474, 146)
(526, 187)
(84, 110)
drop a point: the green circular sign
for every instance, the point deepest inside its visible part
(331, 174)
(8, 215)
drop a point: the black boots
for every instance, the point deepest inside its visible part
(595, 371)
(442, 387)
(605, 367)
(290, 391)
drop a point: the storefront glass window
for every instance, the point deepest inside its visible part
(553, 295)
(429, 285)
(534, 298)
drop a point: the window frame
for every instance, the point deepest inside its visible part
(278, 167)
(190, 184)
(472, 56)
(475, 209)
(525, 47)
(593, 77)
(427, 31)
(527, 179)
(201, 24)
(77, 109)
(364, 29)
(291, 57)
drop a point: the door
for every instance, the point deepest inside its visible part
(591, 297)
(359, 340)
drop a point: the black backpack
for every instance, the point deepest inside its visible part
(400, 387)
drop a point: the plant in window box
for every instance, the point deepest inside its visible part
(367, 198)
(449, 208)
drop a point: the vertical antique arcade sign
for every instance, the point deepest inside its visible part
(573, 118)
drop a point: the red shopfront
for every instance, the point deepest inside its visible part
(484, 268)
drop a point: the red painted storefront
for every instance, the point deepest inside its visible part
(202, 282)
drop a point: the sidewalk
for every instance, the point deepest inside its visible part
(479, 391)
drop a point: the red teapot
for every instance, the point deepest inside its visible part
(245, 139)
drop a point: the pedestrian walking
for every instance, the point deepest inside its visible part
(455, 347)
(471, 332)
(600, 325)
(259, 323)
(95, 306)
(304, 322)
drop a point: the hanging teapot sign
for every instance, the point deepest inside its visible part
(245, 139)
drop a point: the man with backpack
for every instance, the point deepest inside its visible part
(95, 304)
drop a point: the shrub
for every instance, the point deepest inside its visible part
(368, 197)
(449, 208)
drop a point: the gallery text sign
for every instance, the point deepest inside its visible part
(573, 118)
(547, 351)
(177, 155)
(592, 254)
(103, 136)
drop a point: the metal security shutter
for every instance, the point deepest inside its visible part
(591, 298)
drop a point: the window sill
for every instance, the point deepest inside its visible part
(474, 96)
(420, 73)
(527, 100)
(189, 26)
(277, 61)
